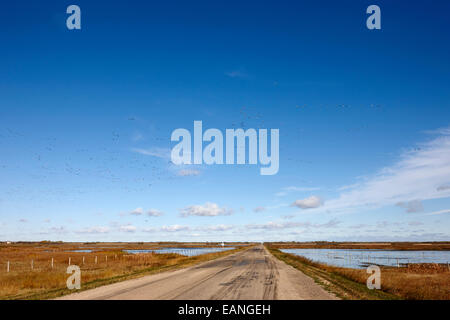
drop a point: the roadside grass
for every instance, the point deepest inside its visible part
(45, 282)
(333, 282)
(417, 282)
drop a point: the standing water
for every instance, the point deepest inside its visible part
(183, 251)
(361, 258)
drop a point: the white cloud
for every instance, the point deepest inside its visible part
(154, 152)
(295, 189)
(140, 211)
(281, 194)
(278, 225)
(60, 229)
(137, 212)
(308, 203)
(259, 209)
(178, 228)
(269, 225)
(359, 226)
(301, 189)
(330, 224)
(137, 137)
(293, 224)
(127, 228)
(416, 176)
(220, 227)
(174, 228)
(437, 212)
(207, 210)
(94, 230)
(188, 172)
(53, 230)
(411, 206)
(154, 213)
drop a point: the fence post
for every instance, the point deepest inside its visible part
(95, 259)
(83, 259)
(32, 264)
(52, 262)
(69, 261)
(7, 267)
(106, 259)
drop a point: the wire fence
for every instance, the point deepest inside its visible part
(51, 263)
(46, 262)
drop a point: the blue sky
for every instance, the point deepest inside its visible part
(86, 117)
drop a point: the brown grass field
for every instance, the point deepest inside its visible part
(31, 275)
(415, 282)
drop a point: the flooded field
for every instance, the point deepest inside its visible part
(39, 269)
(183, 251)
(360, 258)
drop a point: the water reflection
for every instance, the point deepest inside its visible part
(183, 251)
(360, 258)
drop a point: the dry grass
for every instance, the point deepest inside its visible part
(415, 282)
(43, 281)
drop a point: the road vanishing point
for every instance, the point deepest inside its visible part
(252, 274)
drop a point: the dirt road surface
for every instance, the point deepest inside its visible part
(251, 274)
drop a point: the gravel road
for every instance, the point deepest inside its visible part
(252, 274)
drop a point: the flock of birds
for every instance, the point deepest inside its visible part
(85, 165)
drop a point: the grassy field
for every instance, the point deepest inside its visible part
(417, 282)
(32, 276)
